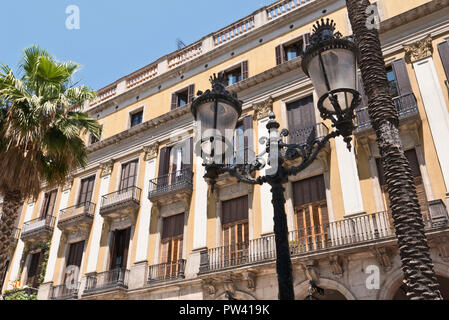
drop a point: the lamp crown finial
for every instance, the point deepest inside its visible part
(324, 30)
(218, 82)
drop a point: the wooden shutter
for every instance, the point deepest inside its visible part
(86, 191)
(172, 239)
(45, 205)
(51, 203)
(191, 93)
(119, 248)
(125, 250)
(301, 115)
(129, 175)
(280, 55)
(309, 190)
(234, 210)
(248, 138)
(173, 226)
(443, 49)
(245, 70)
(187, 157)
(402, 79)
(164, 159)
(174, 101)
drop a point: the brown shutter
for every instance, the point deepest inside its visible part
(234, 210)
(402, 79)
(164, 159)
(278, 55)
(51, 203)
(87, 187)
(191, 93)
(174, 101)
(301, 114)
(90, 189)
(125, 250)
(309, 190)
(187, 157)
(413, 161)
(443, 48)
(248, 138)
(45, 205)
(245, 70)
(173, 226)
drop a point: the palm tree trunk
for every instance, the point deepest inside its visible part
(417, 266)
(12, 201)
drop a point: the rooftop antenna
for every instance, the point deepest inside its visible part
(180, 44)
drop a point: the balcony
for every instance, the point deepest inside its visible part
(346, 234)
(121, 203)
(173, 185)
(407, 110)
(62, 292)
(107, 281)
(76, 216)
(166, 271)
(316, 132)
(39, 229)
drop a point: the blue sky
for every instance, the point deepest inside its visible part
(115, 37)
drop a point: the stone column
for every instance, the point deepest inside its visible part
(105, 176)
(138, 270)
(45, 288)
(262, 110)
(419, 54)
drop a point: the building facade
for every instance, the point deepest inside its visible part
(140, 222)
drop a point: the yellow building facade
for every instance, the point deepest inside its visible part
(140, 222)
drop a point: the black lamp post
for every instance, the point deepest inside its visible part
(330, 61)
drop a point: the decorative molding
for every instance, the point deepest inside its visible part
(229, 284)
(250, 278)
(336, 265)
(383, 258)
(324, 158)
(263, 109)
(419, 50)
(151, 151)
(68, 183)
(210, 286)
(106, 168)
(311, 269)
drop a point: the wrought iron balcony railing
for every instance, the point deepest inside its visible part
(172, 182)
(36, 226)
(406, 106)
(122, 200)
(317, 132)
(83, 212)
(344, 233)
(64, 292)
(166, 271)
(107, 281)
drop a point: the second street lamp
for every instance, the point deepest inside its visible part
(330, 61)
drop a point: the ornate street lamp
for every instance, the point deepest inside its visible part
(330, 61)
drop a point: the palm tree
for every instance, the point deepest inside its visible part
(417, 266)
(40, 131)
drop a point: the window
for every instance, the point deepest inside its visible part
(128, 177)
(93, 139)
(136, 118)
(235, 230)
(182, 97)
(311, 212)
(292, 49)
(392, 83)
(236, 74)
(86, 191)
(119, 249)
(171, 244)
(49, 204)
(174, 163)
(35, 268)
(301, 119)
(74, 260)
